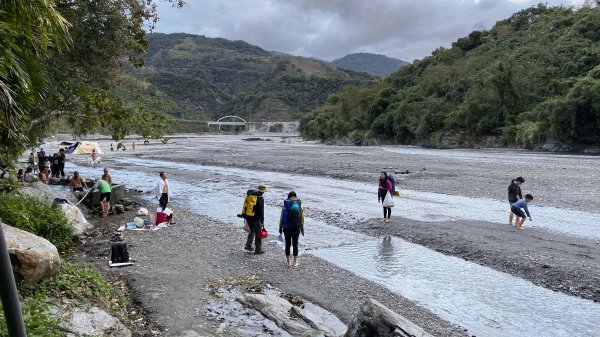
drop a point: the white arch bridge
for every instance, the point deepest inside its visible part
(233, 121)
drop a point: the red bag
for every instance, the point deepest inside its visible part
(262, 233)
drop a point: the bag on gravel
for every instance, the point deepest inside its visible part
(119, 253)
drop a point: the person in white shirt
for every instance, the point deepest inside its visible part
(163, 189)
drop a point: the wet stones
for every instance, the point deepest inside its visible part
(375, 320)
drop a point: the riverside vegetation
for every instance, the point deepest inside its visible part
(79, 281)
(61, 62)
(531, 78)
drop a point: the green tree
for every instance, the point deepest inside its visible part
(44, 76)
(29, 32)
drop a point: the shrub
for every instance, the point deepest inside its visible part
(80, 281)
(29, 214)
(39, 321)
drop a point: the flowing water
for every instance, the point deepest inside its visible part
(486, 302)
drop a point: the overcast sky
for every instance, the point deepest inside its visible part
(329, 29)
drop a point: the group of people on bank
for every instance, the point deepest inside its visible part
(43, 167)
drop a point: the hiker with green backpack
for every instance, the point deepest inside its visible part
(291, 224)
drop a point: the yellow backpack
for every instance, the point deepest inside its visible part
(249, 204)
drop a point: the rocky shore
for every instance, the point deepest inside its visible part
(175, 266)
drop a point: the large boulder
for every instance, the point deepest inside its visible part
(33, 258)
(117, 193)
(44, 192)
(375, 320)
(79, 319)
(76, 218)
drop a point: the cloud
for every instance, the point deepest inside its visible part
(328, 29)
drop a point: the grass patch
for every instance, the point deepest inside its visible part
(80, 281)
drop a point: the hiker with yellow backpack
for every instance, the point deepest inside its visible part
(253, 212)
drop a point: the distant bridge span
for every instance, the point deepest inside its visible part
(238, 121)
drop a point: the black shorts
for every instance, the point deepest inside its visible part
(518, 212)
(104, 196)
(78, 189)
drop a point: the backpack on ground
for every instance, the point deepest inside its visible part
(294, 216)
(248, 209)
(119, 253)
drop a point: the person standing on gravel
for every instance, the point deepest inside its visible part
(256, 222)
(384, 194)
(163, 189)
(291, 224)
(514, 195)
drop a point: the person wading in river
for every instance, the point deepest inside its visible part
(256, 222)
(163, 189)
(384, 194)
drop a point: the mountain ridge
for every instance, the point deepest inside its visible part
(374, 64)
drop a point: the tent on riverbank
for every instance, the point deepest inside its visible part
(85, 147)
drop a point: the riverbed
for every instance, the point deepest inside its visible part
(450, 191)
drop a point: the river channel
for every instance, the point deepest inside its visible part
(485, 301)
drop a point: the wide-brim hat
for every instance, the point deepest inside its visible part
(262, 188)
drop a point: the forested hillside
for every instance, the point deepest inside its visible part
(374, 64)
(533, 77)
(205, 78)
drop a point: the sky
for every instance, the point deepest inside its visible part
(330, 29)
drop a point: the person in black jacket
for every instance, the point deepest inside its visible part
(256, 222)
(514, 195)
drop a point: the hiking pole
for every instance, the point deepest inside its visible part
(8, 292)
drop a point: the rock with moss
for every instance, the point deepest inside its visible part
(33, 258)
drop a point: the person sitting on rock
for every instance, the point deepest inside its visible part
(77, 183)
(43, 176)
(28, 177)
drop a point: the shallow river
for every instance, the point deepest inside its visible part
(486, 302)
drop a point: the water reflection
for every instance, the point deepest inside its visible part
(386, 261)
